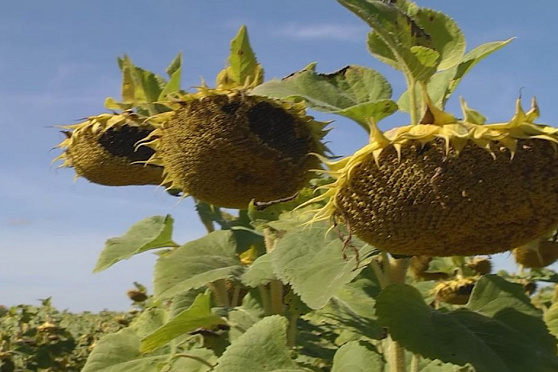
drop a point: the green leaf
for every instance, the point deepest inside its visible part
(189, 361)
(173, 85)
(150, 233)
(443, 84)
(119, 352)
(447, 39)
(311, 261)
(262, 348)
(244, 68)
(196, 316)
(128, 83)
(352, 308)
(197, 263)
(461, 336)
(507, 302)
(357, 356)
(357, 92)
(551, 319)
(112, 104)
(149, 84)
(470, 59)
(260, 272)
(438, 366)
(149, 320)
(395, 34)
(241, 318)
(175, 65)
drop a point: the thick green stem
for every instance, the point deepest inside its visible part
(411, 83)
(266, 301)
(291, 333)
(276, 290)
(415, 363)
(392, 271)
(236, 296)
(397, 357)
(219, 288)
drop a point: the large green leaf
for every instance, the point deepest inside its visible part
(311, 261)
(262, 348)
(150, 233)
(196, 316)
(260, 272)
(120, 352)
(507, 302)
(395, 36)
(351, 308)
(241, 318)
(446, 37)
(357, 92)
(197, 263)
(357, 356)
(551, 319)
(461, 336)
(443, 84)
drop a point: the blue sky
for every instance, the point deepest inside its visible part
(58, 63)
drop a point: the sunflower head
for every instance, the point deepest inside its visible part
(536, 254)
(455, 292)
(449, 187)
(226, 148)
(103, 149)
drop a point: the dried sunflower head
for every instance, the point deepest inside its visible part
(537, 254)
(226, 148)
(103, 150)
(481, 265)
(449, 187)
(456, 292)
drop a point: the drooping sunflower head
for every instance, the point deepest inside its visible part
(456, 292)
(536, 254)
(103, 149)
(449, 187)
(226, 147)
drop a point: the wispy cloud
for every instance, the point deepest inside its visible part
(324, 31)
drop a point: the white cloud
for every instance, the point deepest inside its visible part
(329, 31)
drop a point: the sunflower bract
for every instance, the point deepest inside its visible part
(227, 148)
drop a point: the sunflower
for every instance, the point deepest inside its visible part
(225, 147)
(103, 150)
(449, 187)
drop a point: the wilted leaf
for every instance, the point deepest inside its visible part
(196, 263)
(150, 233)
(311, 261)
(357, 356)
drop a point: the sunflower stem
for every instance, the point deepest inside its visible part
(397, 357)
(219, 288)
(415, 363)
(411, 83)
(291, 334)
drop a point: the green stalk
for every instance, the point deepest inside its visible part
(266, 300)
(291, 333)
(397, 357)
(276, 290)
(411, 83)
(219, 288)
(415, 363)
